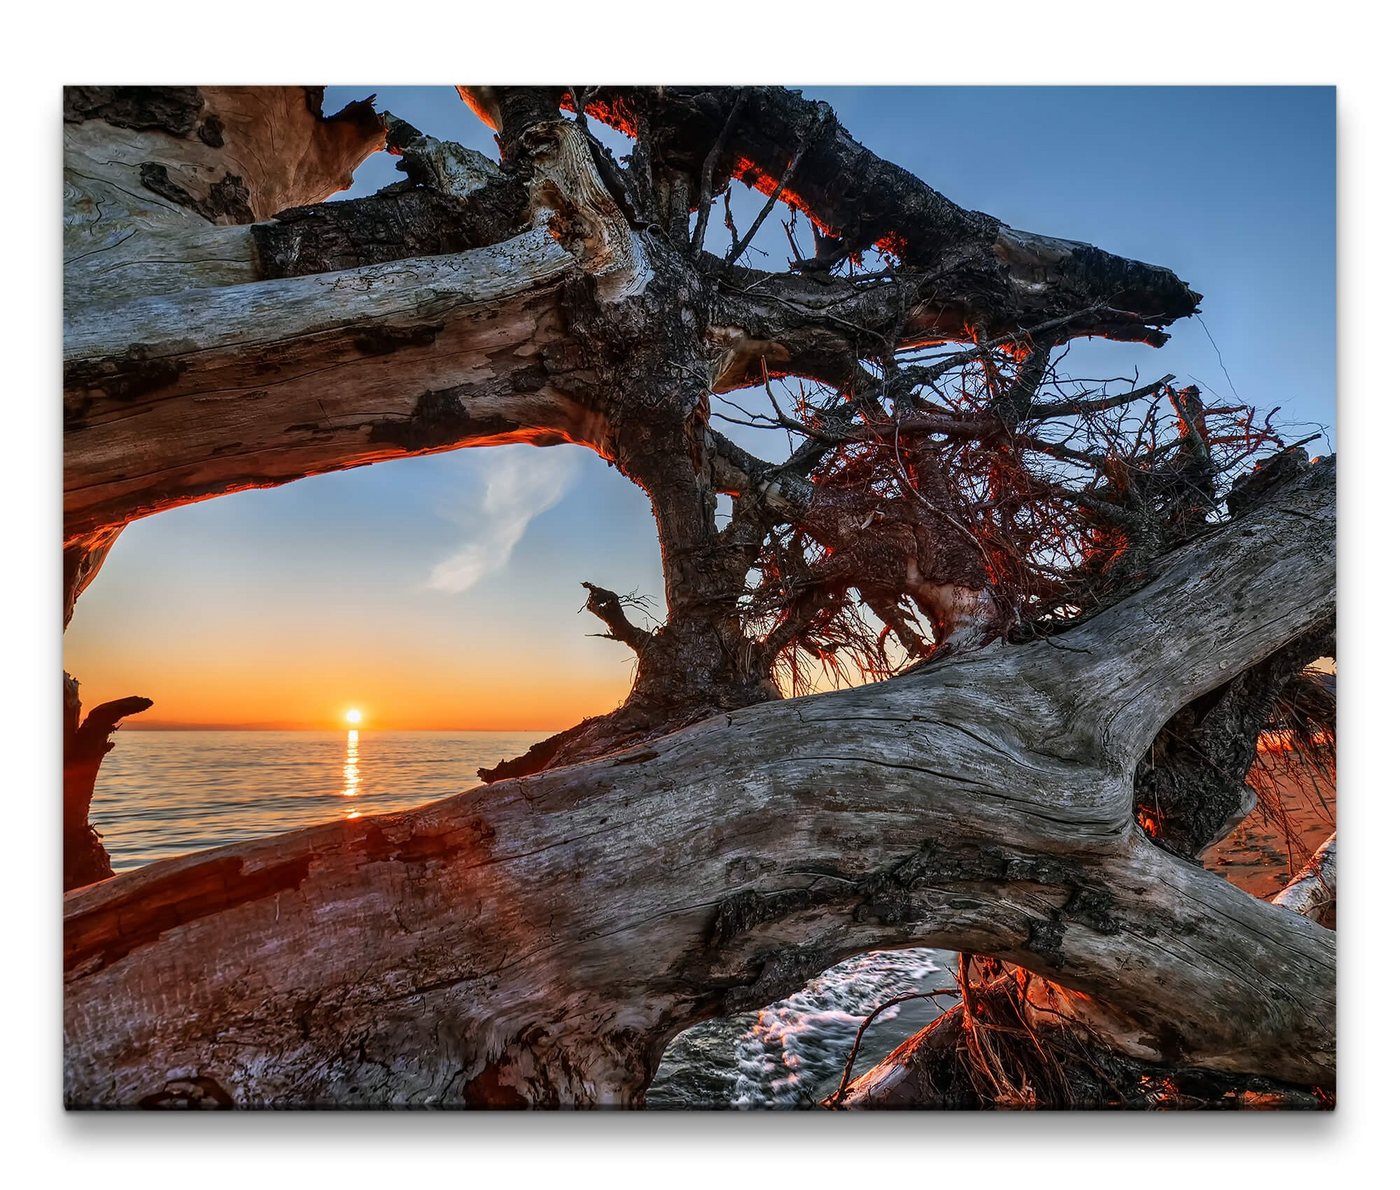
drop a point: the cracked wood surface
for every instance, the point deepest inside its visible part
(160, 182)
(181, 397)
(539, 941)
(195, 365)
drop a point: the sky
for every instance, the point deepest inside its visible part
(443, 592)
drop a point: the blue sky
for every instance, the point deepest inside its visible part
(1232, 188)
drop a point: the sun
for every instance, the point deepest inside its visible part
(353, 716)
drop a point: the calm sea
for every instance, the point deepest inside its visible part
(166, 793)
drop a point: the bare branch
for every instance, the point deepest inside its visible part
(607, 606)
(820, 115)
(707, 176)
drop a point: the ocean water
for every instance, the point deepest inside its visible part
(164, 793)
(791, 1054)
(167, 793)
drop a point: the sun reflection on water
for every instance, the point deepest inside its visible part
(351, 771)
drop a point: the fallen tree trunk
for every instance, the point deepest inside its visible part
(539, 942)
(1313, 891)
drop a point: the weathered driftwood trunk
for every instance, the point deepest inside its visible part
(537, 942)
(1081, 1050)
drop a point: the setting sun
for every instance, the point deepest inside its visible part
(353, 716)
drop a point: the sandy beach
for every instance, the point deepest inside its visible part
(1258, 856)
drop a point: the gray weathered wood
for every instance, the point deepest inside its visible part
(1313, 891)
(538, 942)
(429, 354)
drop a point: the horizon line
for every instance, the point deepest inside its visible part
(170, 725)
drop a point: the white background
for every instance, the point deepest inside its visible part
(1009, 41)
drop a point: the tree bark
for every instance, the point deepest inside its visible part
(85, 859)
(1313, 892)
(538, 943)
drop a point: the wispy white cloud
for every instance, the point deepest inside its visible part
(520, 482)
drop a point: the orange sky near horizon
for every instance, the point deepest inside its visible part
(291, 667)
(250, 690)
(439, 593)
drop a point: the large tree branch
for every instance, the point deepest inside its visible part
(411, 321)
(1194, 628)
(175, 387)
(540, 943)
(818, 326)
(176, 398)
(993, 277)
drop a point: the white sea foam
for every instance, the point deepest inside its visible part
(791, 1053)
(797, 1043)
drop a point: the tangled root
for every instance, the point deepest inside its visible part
(987, 1054)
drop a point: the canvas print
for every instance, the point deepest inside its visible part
(699, 597)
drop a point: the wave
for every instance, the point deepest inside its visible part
(791, 1053)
